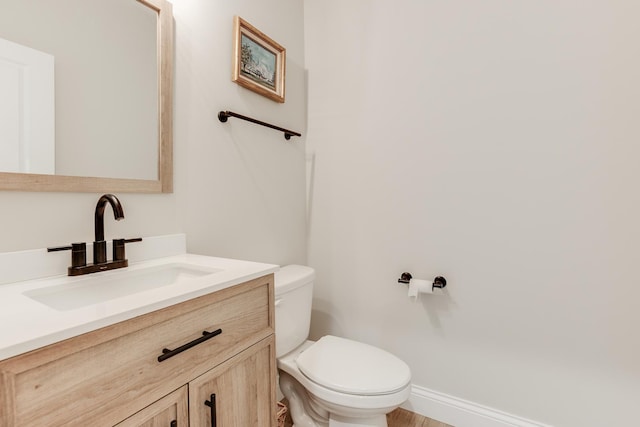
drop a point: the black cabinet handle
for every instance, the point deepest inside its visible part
(174, 423)
(212, 404)
(166, 353)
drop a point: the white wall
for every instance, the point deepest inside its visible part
(239, 190)
(245, 184)
(494, 143)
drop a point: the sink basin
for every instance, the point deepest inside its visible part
(101, 287)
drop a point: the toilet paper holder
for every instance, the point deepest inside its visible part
(438, 282)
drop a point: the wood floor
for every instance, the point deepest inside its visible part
(398, 418)
(403, 418)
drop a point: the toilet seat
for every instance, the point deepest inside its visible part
(288, 364)
(352, 367)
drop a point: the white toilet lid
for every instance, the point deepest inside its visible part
(353, 367)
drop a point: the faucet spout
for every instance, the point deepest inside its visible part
(118, 213)
(99, 245)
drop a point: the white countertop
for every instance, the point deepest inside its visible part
(27, 324)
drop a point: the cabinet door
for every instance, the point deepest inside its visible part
(237, 393)
(170, 411)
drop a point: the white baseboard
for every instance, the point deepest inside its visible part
(461, 413)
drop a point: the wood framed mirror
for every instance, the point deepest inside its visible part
(106, 123)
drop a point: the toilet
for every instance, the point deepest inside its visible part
(334, 381)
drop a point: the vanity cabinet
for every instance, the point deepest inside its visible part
(221, 343)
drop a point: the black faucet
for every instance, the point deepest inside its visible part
(99, 244)
(78, 250)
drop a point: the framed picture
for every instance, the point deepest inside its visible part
(258, 61)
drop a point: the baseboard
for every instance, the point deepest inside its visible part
(461, 413)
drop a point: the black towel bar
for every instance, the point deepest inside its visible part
(223, 116)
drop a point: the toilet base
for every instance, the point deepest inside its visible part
(309, 411)
(304, 412)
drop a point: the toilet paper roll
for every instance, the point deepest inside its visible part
(419, 286)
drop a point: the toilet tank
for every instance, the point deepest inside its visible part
(294, 292)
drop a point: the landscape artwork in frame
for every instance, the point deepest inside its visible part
(258, 61)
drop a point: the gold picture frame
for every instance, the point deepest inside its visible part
(258, 61)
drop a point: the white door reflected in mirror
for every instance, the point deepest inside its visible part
(27, 110)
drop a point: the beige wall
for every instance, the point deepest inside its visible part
(239, 191)
(494, 143)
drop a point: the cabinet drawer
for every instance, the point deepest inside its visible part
(101, 377)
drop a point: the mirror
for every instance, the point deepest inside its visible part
(111, 103)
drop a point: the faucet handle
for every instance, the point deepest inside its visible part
(78, 253)
(59, 248)
(118, 247)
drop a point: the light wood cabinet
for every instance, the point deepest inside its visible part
(170, 411)
(230, 392)
(115, 375)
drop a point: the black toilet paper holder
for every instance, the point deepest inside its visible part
(438, 282)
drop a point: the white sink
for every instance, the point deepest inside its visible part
(101, 287)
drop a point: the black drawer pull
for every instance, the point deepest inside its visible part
(166, 353)
(212, 404)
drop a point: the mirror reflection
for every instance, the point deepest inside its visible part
(79, 85)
